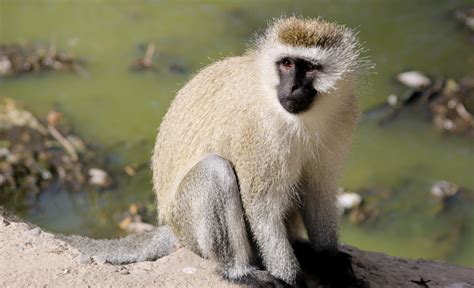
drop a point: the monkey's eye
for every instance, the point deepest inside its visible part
(286, 63)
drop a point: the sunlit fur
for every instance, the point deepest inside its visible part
(230, 108)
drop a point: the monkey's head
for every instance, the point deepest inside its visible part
(307, 58)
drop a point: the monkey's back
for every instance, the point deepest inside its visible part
(205, 117)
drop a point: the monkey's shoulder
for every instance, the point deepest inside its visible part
(218, 86)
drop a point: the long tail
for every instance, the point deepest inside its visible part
(147, 246)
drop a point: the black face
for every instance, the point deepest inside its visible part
(295, 91)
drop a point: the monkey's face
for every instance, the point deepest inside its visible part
(296, 90)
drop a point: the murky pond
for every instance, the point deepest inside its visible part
(121, 109)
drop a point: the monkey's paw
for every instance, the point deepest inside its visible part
(332, 268)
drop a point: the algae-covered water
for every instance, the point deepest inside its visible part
(122, 109)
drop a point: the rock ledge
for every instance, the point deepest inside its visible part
(30, 256)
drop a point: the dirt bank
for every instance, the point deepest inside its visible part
(30, 256)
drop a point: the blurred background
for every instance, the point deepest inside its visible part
(97, 76)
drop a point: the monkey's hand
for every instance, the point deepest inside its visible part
(332, 268)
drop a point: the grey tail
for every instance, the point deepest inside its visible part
(147, 246)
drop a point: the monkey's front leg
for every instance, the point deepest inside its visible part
(266, 220)
(321, 217)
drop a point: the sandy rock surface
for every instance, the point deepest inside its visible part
(31, 257)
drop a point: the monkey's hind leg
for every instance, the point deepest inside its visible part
(208, 218)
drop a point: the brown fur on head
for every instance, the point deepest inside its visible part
(297, 32)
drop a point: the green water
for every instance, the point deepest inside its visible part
(122, 109)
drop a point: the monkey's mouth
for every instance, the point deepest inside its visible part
(299, 100)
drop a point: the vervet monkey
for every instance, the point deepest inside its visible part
(251, 149)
